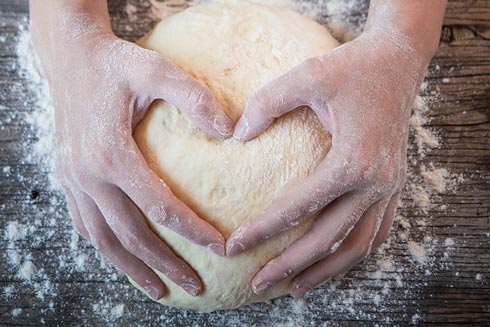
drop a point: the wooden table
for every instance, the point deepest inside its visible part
(454, 290)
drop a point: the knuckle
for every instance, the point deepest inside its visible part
(381, 178)
(109, 162)
(112, 160)
(130, 243)
(314, 66)
(284, 220)
(363, 172)
(387, 179)
(260, 100)
(144, 60)
(260, 235)
(199, 96)
(330, 247)
(159, 213)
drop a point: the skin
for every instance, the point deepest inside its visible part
(362, 92)
(102, 86)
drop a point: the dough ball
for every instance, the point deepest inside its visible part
(234, 48)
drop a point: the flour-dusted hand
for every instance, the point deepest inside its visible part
(362, 93)
(102, 86)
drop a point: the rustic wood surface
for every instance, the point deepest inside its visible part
(454, 291)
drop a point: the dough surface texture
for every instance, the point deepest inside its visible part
(234, 48)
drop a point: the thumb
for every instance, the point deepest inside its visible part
(173, 85)
(280, 96)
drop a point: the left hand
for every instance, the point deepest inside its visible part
(362, 93)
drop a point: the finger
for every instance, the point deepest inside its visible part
(75, 212)
(324, 237)
(310, 195)
(169, 83)
(158, 203)
(107, 243)
(387, 223)
(354, 249)
(384, 229)
(280, 96)
(135, 235)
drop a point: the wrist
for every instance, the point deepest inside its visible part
(413, 25)
(55, 23)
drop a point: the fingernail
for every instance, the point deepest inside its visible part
(217, 248)
(234, 248)
(299, 290)
(222, 128)
(191, 289)
(153, 292)
(261, 287)
(241, 128)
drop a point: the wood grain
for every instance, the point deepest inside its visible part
(450, 294)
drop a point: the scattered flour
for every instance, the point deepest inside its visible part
(27, 270)
(435, 178)
(6, 170)
(117, 311)
(75, 238)
(81, 261)
(377, 299)
(387, 273)
(15, 231)
(424, 138)
(41, 119)
(448, 242)
(8, 292)
(415, 319)
(299, 305)
(16, 312)
(417, 251)
(109, 311)
(13, 256)
(131, 11)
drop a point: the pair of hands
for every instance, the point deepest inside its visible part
(361, 92)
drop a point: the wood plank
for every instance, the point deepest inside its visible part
(449, 294)
(471, 12)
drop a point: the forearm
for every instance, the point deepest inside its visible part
(56, 21)
(417, 21)
(60, 28)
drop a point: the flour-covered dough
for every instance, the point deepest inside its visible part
(234, 48)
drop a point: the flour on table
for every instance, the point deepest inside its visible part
(15, 231)
(334, 299)
(449, 242)
(27, 270)
(16, 312)
(417, 251)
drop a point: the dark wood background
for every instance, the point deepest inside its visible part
(447, 294)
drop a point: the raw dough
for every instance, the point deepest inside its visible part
(233, 47)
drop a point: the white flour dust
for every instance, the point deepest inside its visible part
(426, 182)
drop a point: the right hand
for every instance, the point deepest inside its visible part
(102, 86)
